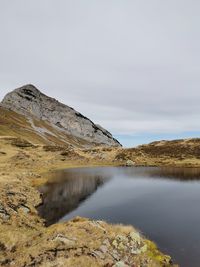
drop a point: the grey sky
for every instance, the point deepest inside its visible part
(132, 66)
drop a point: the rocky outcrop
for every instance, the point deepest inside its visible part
(30, 102)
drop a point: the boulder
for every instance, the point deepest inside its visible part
(130, 163)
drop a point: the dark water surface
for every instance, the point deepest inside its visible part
(164, 203)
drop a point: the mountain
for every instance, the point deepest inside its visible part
(29, 113)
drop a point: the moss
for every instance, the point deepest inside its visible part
(156, 255)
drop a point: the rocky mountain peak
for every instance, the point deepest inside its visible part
(32, 103)
(28, 90)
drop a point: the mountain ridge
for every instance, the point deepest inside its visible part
(34, 105)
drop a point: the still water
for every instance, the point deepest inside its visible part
(163, 203)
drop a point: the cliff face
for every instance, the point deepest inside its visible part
(31, 103)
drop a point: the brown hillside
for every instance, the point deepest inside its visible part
(36, 131)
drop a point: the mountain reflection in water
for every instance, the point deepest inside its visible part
(65, 191)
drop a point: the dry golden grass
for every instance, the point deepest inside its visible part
(16, 125)
(164, 153)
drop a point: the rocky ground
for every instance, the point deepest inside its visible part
(24, 239)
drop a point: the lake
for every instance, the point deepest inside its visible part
(163, 203)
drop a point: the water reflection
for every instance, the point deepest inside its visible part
(174, 173)
(65, 191)
(181, 174)
(162, 202)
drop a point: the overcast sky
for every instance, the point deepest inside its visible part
(132, 66)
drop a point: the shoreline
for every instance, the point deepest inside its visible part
(24, 239)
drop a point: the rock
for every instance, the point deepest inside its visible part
(3, 213)
(25, 209)
(106, 242)
(103, 248)
(4, 216)
(135, 237)
(130, 163)
(120, 264)
(98, 254)
(121, 246)
(122, 238)
(64, 240)
(115, 255)
(143, 248)
(139, 250)
(115, 244)
(30, 102)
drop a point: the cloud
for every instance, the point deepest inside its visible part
(132, 66)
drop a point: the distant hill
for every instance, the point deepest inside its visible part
(26, 112)
(182, 152)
